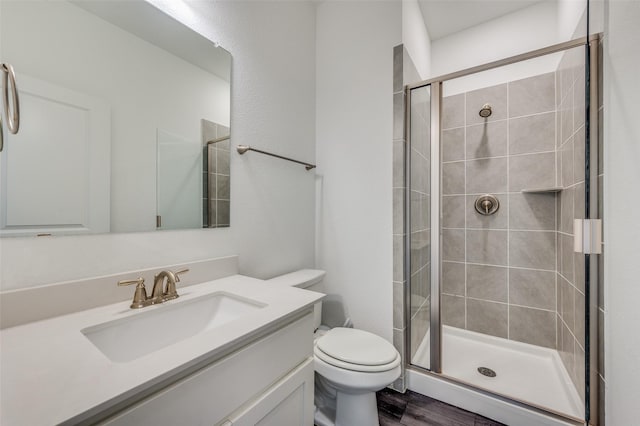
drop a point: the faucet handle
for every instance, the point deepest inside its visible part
(171, 292)
(140, 295)
(184, 271)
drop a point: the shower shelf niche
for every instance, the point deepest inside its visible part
(538, 190)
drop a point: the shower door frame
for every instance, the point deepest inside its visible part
(590, 45)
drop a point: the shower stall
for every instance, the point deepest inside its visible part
(500, 201)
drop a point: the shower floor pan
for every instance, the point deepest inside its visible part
(525, 372)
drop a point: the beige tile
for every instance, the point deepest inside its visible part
(566, 203)
(398, 340)
(453, 178)
(410, 73)
(487, 282)
(420, 285)
(222, 162)
(398, 116)
(496, 96)
(532, 249)
(487, 247)
(398, 164)
(532, 211)
(531, 171)
(497, 220)
(420, 211)
(419, 328)
(533, 326)
(420, 249)
(453, 207)
(566, 257)
(398, 305)
(223, 187)
(567, 303)
(453, 311)
(223, 215)
(398, 57)
(532, 95)
(578, 371)
(486, 176)
(453, 278)
(398, 256)
(486, 140)
(453, 144)
(398, 210)
(453, 245)
(535, 133)
(536, 289)
(487, 317)
(420, 121)
(453, 111)
(566, 163)
(420, 168)
(566, 119)
(578, 101)
(566, 349)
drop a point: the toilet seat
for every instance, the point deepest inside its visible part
(356, 350)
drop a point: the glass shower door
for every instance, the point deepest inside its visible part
(498, 293)
(419, 208)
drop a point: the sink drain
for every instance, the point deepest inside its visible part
(486, 372)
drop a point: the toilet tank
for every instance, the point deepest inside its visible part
(309, 279)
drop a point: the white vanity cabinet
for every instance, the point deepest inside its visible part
(267, 382)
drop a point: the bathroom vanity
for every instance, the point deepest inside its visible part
(233, 351)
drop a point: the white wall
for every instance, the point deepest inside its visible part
(415, 37)
(354, 60)
(621, 207)
(272, 206)
(525, 30)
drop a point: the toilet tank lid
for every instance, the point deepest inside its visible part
(302, 278)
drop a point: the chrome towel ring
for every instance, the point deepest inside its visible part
(13, 118)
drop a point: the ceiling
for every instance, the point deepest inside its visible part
(445, 17)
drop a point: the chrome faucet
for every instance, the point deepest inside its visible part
(160, 292)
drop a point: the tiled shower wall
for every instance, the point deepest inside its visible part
(499, 271)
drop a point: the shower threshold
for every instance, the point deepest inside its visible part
(524, 372)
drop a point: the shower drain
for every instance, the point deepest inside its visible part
(486, 372)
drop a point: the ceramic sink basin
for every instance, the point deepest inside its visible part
(127, 339)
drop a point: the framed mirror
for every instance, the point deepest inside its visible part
(125, 116)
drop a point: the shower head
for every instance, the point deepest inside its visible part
(485, 111)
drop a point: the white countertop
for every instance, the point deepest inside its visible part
(51, 373)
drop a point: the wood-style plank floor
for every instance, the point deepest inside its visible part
(413, 409)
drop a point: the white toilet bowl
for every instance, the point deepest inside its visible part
(354, 365)
(351, 365)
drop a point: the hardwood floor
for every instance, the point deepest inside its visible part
(413, 409)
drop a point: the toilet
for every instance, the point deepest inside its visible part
(350, 364)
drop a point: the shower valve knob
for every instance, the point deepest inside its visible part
(487, 204)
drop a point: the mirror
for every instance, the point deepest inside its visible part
(125, 118)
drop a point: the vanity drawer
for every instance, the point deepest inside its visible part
(210, 395)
